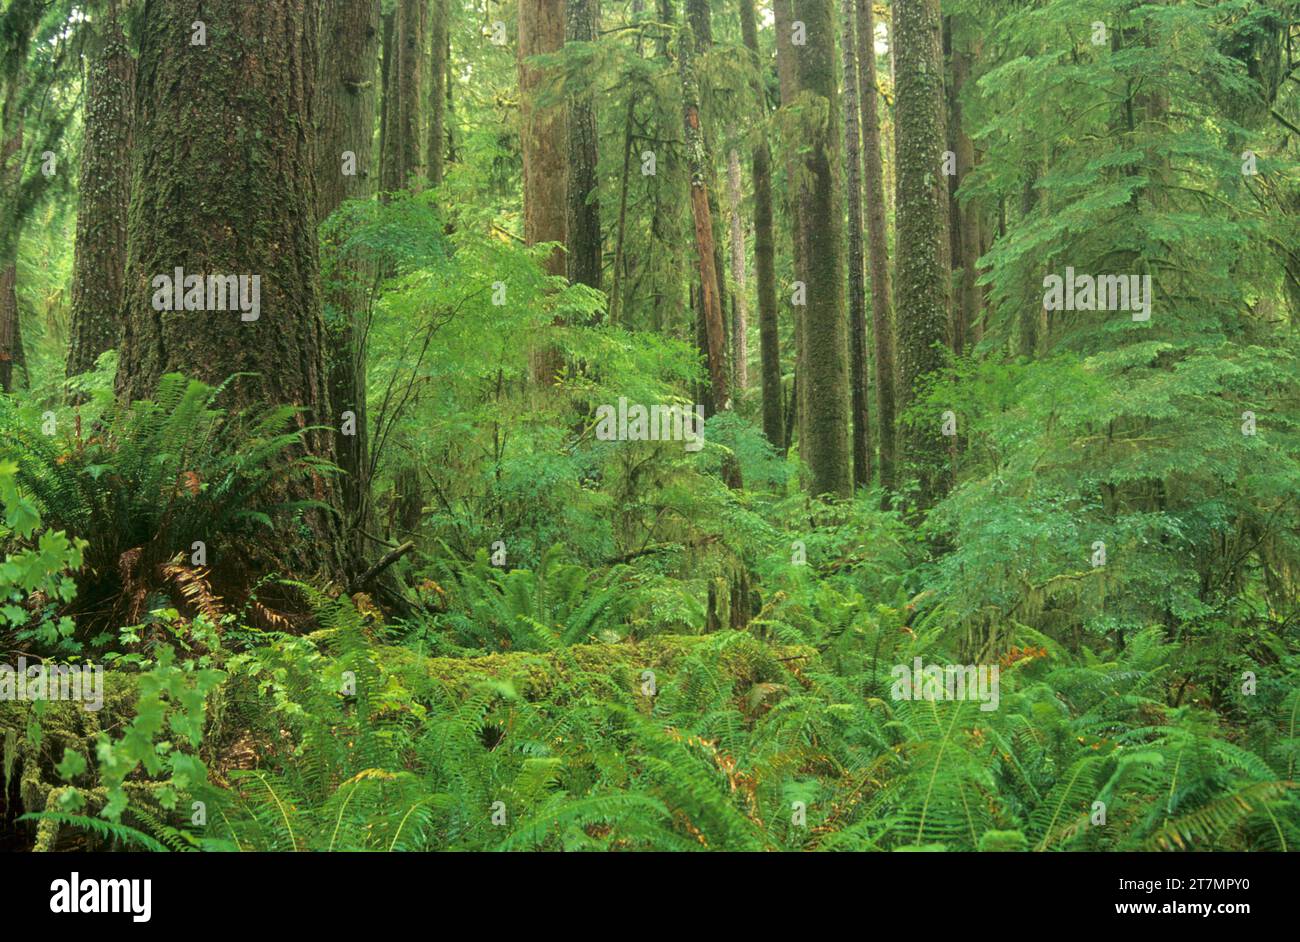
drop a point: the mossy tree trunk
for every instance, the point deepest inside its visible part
(921, 278)
(764, 251)
(224, 184)
(99, 263)
(825, 336)
(857, 281)
(882, 314)
(788, 80)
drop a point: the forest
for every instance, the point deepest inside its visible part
(649, 425)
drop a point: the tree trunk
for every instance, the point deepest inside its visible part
(436, 144)
(583, 224)
(11, 342)
(225, 186)
(399, 158)
(965, 220)
(99, 263)
(740, 319)
(788, 79)
(764, 252)
(882, 315)
(700, 212)
(857, 282)
(346, 83)
(921, 280)
(825, 341)
(545, 146)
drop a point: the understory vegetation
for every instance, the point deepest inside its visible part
(382, 568)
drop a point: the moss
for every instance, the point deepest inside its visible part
(64, 724)
(536, 675)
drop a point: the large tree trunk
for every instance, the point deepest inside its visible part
(921, 278)
(882, 316)
(399, 157)
(224, 185)
(99, 263)
(857, 282)
(825, 341)
(764, 252)
(435, 150)
(350, 31)
(583, 224)
(545, 146)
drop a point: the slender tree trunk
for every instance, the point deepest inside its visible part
(99, 263)
(966, 306)
(11, 148)
(882, 315)
(764, 252)
(545, 148)
(788, 80)
(349, 56)
(583, 224)
(435, 148)
(700, 212)
(857, 282)
(921, 279)
(399, 157)
(700, 21)
(241, 203)
(825, 335)
(740, 320)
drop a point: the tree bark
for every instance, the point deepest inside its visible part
(545, 147)
(709, 302)
(399, 157)
(857, 281)
(224, 185)
(349, 56)
(825, 342)
(439, 52)
(882, 315)
(740, 319)
(920, 289)
(99, 261)
(788, 80)
(583, 224)
(764, 252)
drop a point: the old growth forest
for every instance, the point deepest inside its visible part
(650, 425)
